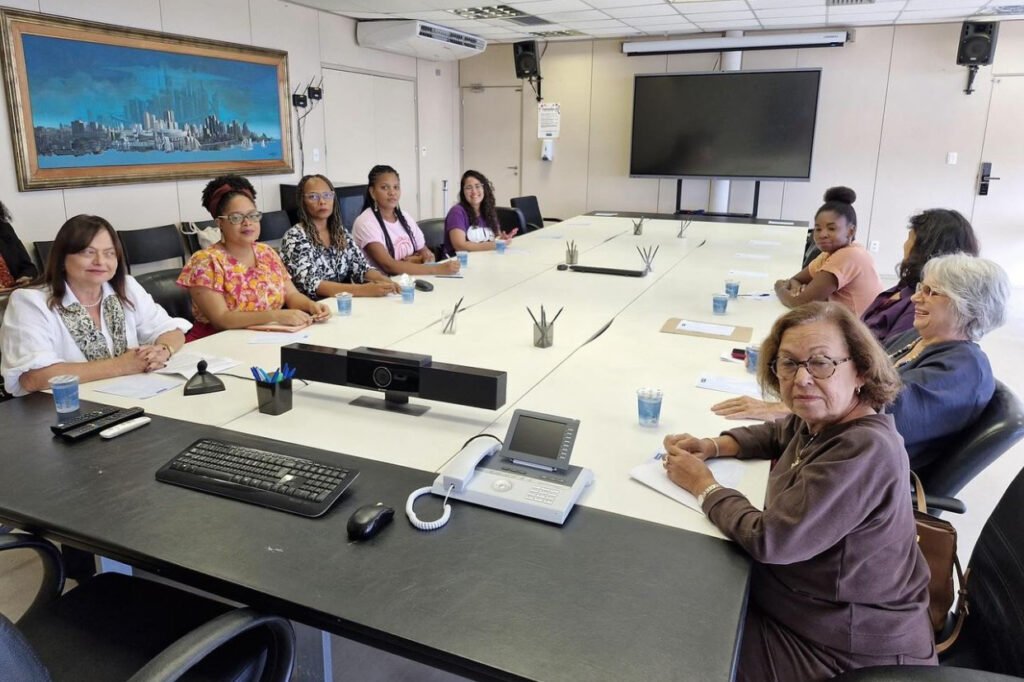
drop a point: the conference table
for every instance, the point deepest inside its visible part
(633, 585)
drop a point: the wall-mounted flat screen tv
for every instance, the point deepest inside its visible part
(754, 125)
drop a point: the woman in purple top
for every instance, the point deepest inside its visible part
(932, 233)
(838, 581)
(472, 224)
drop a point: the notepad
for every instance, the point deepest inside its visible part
(753, 256)
(748, 274)
(185, 364)
(705, 328)
(141, 386)
(727, 471)
(743, 386)
(764, 243)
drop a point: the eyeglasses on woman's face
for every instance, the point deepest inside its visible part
(818, 366)
(927, 290)
(314, 197)
(473, 188)
(239, 218)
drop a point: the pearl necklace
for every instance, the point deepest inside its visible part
(92, 305)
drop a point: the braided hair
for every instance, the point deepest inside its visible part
(219, 191)
(369, 203)
(488, 213)
(335, 230)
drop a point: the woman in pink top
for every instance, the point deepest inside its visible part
(392, 241)
(844, 272)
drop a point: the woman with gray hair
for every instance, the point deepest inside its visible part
(946, 375)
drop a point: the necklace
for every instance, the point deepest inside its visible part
(907, 352)
(800, 451)
(92, 305)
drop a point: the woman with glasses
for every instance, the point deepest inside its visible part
(322, 259)
(838, 581)
(844, 271)
(240, 282)
(472, 224)
(90, 318)
(947, 378)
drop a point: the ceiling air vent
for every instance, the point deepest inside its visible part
(847, 3)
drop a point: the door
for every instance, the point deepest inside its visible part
(371, 120)
(492, 138)
(996, 217)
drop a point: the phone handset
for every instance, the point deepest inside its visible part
(454, 477)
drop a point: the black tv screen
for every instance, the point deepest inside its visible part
(755, 125)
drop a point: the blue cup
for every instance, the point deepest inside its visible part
(344, 301)
(648, 406)
(499, 246)
(408, 293)
(750, 360)
(65, 393)
(732, 288)
(463, 257)
(719, 303)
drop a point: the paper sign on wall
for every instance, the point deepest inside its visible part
(549, 120)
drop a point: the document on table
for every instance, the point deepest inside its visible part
(764, 243)
(279, 338)
(185, 364)
(141, 386)
(705, 328)
(727, 471)
(752, 256)
(748, 273)
(743, 386)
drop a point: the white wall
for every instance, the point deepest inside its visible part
(313, 40)
(891, 107)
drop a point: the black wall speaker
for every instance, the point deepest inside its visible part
(977, 43)
(527, 62)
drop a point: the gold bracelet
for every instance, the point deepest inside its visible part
(718, 451)
(707, 491)
(170, 351)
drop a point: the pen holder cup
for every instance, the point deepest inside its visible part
(543, 338)
(448, 320)
(274, 398)
(638, 229)
(572, 257)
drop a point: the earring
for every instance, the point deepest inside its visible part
(856, 391)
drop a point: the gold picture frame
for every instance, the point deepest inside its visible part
(95, 104)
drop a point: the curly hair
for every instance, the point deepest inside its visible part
(881, 380)
(334, 227)
(937, 232)
(219, 191)
(488, 211)
(840, 200)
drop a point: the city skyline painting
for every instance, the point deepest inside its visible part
(95, 104)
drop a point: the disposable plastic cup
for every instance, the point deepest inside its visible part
(732, 288)
(65, 393)
(648, 405)
(344, 301)
(408, 293)
(719, 302)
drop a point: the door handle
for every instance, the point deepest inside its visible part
(986, 177)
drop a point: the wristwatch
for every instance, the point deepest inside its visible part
(707, 491)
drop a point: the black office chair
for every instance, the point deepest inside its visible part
(115, 627)
(994, 627)
(42, 254)
(351, 206)
(510, 219)
(151, 245)
(964, 455)
(162, 286)
(433, 234)
(811, 250)
(273, 225)
(531, 212)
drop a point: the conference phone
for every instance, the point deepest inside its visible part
(528, 474)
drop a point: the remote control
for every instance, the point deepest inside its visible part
(125, 427)
(80, 419)
(80, 432)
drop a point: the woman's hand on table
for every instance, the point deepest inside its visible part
(685, 467)
(745, 407)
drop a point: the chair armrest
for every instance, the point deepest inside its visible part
(53, 567)
(172, 662)
(950, 504)
(914, 673)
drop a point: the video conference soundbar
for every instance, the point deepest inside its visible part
(399, 375)
(606, 271)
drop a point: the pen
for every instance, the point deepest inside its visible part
(255, 373)
(535, 322)
(552, 322)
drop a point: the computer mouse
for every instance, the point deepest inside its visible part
(424, 285)
(369, 520)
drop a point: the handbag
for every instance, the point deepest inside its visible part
(937, 540)
(207, 236)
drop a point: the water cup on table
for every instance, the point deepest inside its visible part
(719, 302)
(65, 393)
(732, 288)
(500, 245)
(648, 405)
(463, 257)
(753, 351)
(344, 301)
(408, 290)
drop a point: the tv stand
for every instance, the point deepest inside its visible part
(752, 215)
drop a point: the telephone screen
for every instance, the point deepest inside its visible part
(538, 437)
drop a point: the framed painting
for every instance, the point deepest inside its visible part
(93, 104)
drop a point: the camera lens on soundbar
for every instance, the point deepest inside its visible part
(382, 377)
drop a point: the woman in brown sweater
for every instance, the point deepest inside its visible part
(838, 580)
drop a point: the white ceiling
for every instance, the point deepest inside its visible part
(624, 18)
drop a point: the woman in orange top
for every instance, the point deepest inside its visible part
(240, 282)
(844, 272)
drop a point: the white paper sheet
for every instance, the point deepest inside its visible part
(141, 386)
(727, 357)
(752, 256)
(748, 273)
(185, 364)
(744, 386)
(728, 472)
(279, 338)
(764, 242)
(705, 328)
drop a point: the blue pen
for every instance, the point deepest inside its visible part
(273, 377)
(263, 377)
(255, 373)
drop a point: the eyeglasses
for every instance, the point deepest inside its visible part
(239, 218)
(472, 188)
(91, 253)
(818, 366)
(926, 290)
(319, 196)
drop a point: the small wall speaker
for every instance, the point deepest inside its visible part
(977, 43)
(527, 62)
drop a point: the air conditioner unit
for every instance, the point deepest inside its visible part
(778, 41)
(419, 39)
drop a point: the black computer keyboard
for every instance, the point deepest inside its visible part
(269, 479)
(607, 271)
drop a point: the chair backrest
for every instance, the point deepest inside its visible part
(510, 219)
(273, 225)
(433, 234)
(350, 205)
(152, 244)
(42, 254)
(531, 211)
(967, 453)
(172, 298)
